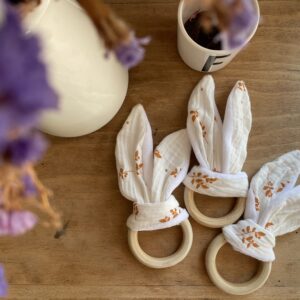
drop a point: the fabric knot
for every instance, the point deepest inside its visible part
(251, 239)
(153, 216)
(207, 182)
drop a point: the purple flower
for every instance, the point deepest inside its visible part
(16, 222)
(28, 148)
(24, 87)
(243, 20)
(131, 53)
(3, 283)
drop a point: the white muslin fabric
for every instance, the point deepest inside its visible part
(148, 178)
(272, 209)
(220, 148)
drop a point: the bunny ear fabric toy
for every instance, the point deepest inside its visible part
(148, 178)
(220, 148)
(272, 209)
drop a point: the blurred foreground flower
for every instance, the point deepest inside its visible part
(3, 283)
(130, 53)
(24, 94)
(117, 35)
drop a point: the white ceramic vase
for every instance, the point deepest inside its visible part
(91, 87)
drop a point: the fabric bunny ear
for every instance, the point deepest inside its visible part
(273, 179)
(272, 209)
(150, 189)
(204, 125)
(134, 158)
(171, 162)
(220, 149)
(236, 128)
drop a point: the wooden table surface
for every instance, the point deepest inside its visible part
(92, 260)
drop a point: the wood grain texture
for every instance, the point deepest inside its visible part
(92, 259)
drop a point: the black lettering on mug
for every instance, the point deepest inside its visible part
(211, 60)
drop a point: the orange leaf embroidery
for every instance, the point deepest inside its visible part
(269, 224)
(268, 188)
(136, 155)
(165, 219)
(204, 132)
(157, 154)
(250, 236)
(241, 86)
(257, 204)
(174, 212)
(123, 174)
(194, 115)
(200, 180)
(174, 173)
(282, 186)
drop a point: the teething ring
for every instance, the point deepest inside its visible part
(230, 218)
(162, 262)
(244, 288)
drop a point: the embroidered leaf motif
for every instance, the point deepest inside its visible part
(123, 174)
(257, 204)
(136, 155)
(200, 180)
(250, 236)
(268, 188)
(269, 224)
(241, 86)
(138, 167)
(282, 186)
(194, 115)
(259, 234)
(174, 173)
(157, 154)
(174, 212)
(165, 219)
(204, 132)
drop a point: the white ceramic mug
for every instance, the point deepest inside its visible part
(196, 56)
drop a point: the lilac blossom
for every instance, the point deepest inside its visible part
(242, 23)
(24, 87)
(26, 149)
(16, 222)
(131, 52)
(3, 283)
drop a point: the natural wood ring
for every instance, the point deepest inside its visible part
(162, 262)
(244, 288)
(230, 218)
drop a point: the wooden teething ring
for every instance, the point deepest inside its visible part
(230, 218)
(162, 262)
(244, 288)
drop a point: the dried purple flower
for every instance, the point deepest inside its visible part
(241, 25)
(131, 52)
(3, 283)
(24, 88)
(16, 222)
(25, 149)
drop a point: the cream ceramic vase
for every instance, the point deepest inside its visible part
(91, 88)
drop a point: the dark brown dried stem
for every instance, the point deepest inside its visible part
(112, 29)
